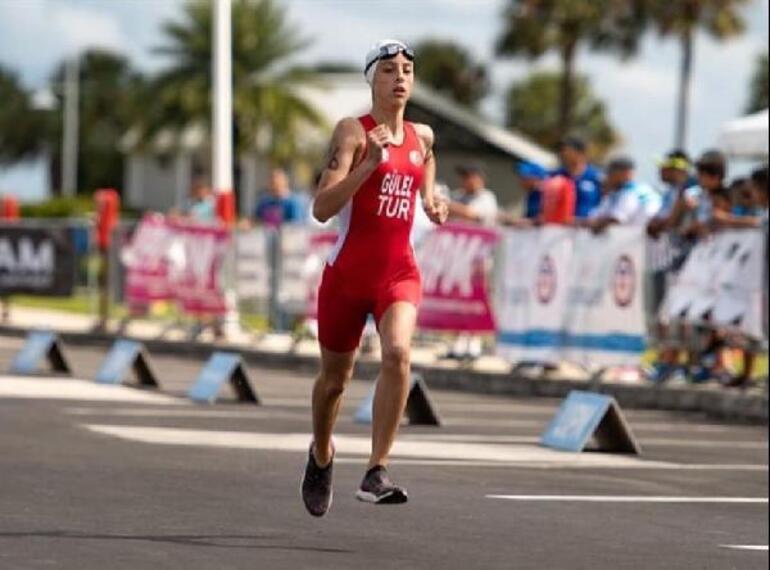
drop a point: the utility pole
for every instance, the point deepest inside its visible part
(222, 142)
(69, 159)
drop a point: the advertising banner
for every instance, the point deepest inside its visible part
(36, 261)
(454, 261)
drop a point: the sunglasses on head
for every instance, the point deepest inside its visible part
(390, 51)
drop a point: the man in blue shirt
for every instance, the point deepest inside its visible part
(587, 178)
(531, 177)
(279, 205)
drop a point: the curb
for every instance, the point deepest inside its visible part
(734, 406)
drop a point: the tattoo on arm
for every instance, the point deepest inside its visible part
(333, 163)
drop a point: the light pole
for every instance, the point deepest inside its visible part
(222, 142)
(69, 162)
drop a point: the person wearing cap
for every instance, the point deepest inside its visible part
(473, 201)
(376, 166)
(531, 177)
(674, 171)
(586, 177)
(625, 201)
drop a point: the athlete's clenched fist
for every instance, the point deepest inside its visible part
(378, 139)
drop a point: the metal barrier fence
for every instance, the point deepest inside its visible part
(269, 270)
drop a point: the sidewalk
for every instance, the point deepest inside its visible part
(487, 375)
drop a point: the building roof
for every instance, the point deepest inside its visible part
(338, 95)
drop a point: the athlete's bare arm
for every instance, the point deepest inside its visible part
(436, 209)
(345, 172)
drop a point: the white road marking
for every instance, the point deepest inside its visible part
(629, 499)
(638, 426)
(424, 451)
(759, 547)
(47, 388)
(657, 442)
(191, 412)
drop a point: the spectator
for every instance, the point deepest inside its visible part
(675, 174)
(531, 177)
(202, 204)
(625, 201)
(279, 205)
(586, 178)
(749, 203)
(473, 202)
(559, 196)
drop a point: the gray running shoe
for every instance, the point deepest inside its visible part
(316, 487)
(377, 488)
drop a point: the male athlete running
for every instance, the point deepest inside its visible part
(376, 165)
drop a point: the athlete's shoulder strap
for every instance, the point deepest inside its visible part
(368, 122)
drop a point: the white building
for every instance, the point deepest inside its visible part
(159, 178)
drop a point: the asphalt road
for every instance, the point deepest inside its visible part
(95, 477)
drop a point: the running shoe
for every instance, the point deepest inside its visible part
(377, 488)
(316, 488)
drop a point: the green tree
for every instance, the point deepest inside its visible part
(532, 108)
(681, 19)
(268, 110)
(534, 28)
(110, 92)
(758, 89)
(451, 70)
(22, 127)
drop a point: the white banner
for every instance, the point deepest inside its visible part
(253, 265)
(723, 282)
(567, 294)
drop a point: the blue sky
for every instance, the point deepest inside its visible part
(640, 93)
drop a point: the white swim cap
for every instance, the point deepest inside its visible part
(380, 50)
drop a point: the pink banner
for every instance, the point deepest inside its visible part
(196, 259)
(178, 261)
(146, 262)
(453, 261)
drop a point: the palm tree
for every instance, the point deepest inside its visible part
(268, 111)
(109, 104)
(22, 127)
(532, 108)
(536, 27)
(450, 69)
(682, 19)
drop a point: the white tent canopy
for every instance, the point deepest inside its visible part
(746, 137)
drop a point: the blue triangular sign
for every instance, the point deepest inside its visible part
(420, 409)
(220, 368)
(40, 346)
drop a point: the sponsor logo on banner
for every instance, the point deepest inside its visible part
(624, 281)
(546, 280)
(453, 261)
(36, 260)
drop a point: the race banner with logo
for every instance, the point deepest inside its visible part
(179, 261)
(568, 294)
(454, 261)
(36, 261)
(146, 262)
(604, 320)
(723, 282)
(197, 260)
(532, 293)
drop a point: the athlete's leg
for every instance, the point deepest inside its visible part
(336, 372)
(396, 327)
